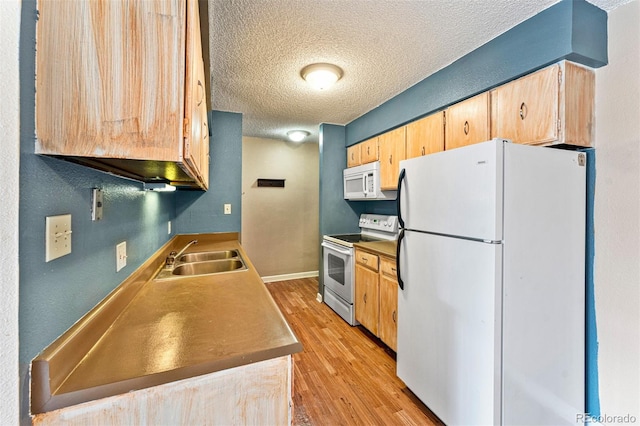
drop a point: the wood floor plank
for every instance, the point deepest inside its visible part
(345, 375)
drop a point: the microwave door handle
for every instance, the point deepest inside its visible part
(364, 184)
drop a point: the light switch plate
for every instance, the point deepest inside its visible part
(57, 236)
(121, 255)
(227, 209)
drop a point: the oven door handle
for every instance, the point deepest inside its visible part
(334, 248)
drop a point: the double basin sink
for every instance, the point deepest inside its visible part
(203, 263)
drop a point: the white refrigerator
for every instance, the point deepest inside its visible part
(491, 268)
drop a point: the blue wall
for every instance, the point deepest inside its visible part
(56, 294)
(198, 211)
(572, 29)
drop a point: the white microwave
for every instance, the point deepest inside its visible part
(363, 183)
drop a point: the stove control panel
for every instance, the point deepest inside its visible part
(377, 222)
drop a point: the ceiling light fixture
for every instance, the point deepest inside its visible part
(297, 135)
(321, 76)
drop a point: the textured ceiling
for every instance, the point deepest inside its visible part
(258, 47)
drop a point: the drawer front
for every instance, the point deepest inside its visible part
(367, 260)
(388, 266)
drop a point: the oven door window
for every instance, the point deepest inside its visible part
(336, 268)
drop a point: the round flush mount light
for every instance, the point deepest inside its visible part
(297, 135)
(321, 76)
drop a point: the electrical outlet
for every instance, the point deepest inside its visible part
(57, 236)
(227, 209)
(121, 255)
(169, 227)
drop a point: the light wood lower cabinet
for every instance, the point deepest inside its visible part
(261, 390)
(376, 301)
(467, 122)
(388, 323)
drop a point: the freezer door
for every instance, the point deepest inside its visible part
(449, 326)
(457, 192)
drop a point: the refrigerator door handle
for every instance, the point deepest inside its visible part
(400, 237)
(400, 221)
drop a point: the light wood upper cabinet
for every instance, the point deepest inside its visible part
(467, 122)
(196, 139)
(425, 136)
(111, 86)
(369, 151)
(392, 151)
(552, 106)
(353, 155)
(388, 321)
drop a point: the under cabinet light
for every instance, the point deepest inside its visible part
(159, 187)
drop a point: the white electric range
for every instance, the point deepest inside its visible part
(338, 258)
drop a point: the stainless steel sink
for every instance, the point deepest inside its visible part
(203, 263)
(208, 255)
(209, 267)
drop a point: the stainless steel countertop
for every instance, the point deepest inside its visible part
(170, 330)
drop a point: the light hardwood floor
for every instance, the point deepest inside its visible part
(345, 375)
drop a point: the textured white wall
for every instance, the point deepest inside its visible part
(280, 225)
(617, 216)
(9, 174)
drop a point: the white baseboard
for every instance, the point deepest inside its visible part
(286, 277)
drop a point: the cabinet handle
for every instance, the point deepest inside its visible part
(200, 92)
(393, 269)
(206, 131)
(422, 150)
(368, 150)
(365, 260)
(365, 298)
(523, 111)
(352, 155)
(466, 128)
(391, 159)
(394, 316)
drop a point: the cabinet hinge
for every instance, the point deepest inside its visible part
(185, 126)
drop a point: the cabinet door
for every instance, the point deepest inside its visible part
(367, 304)
(426, 135)
(369, 151)
(113, 86)
(392, 151)
(467, 122)
(388, 327)
(527, 109)
(195, 93)
(353, 155)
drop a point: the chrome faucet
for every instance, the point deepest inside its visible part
(171, 259)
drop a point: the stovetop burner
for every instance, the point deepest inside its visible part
(355, 238)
